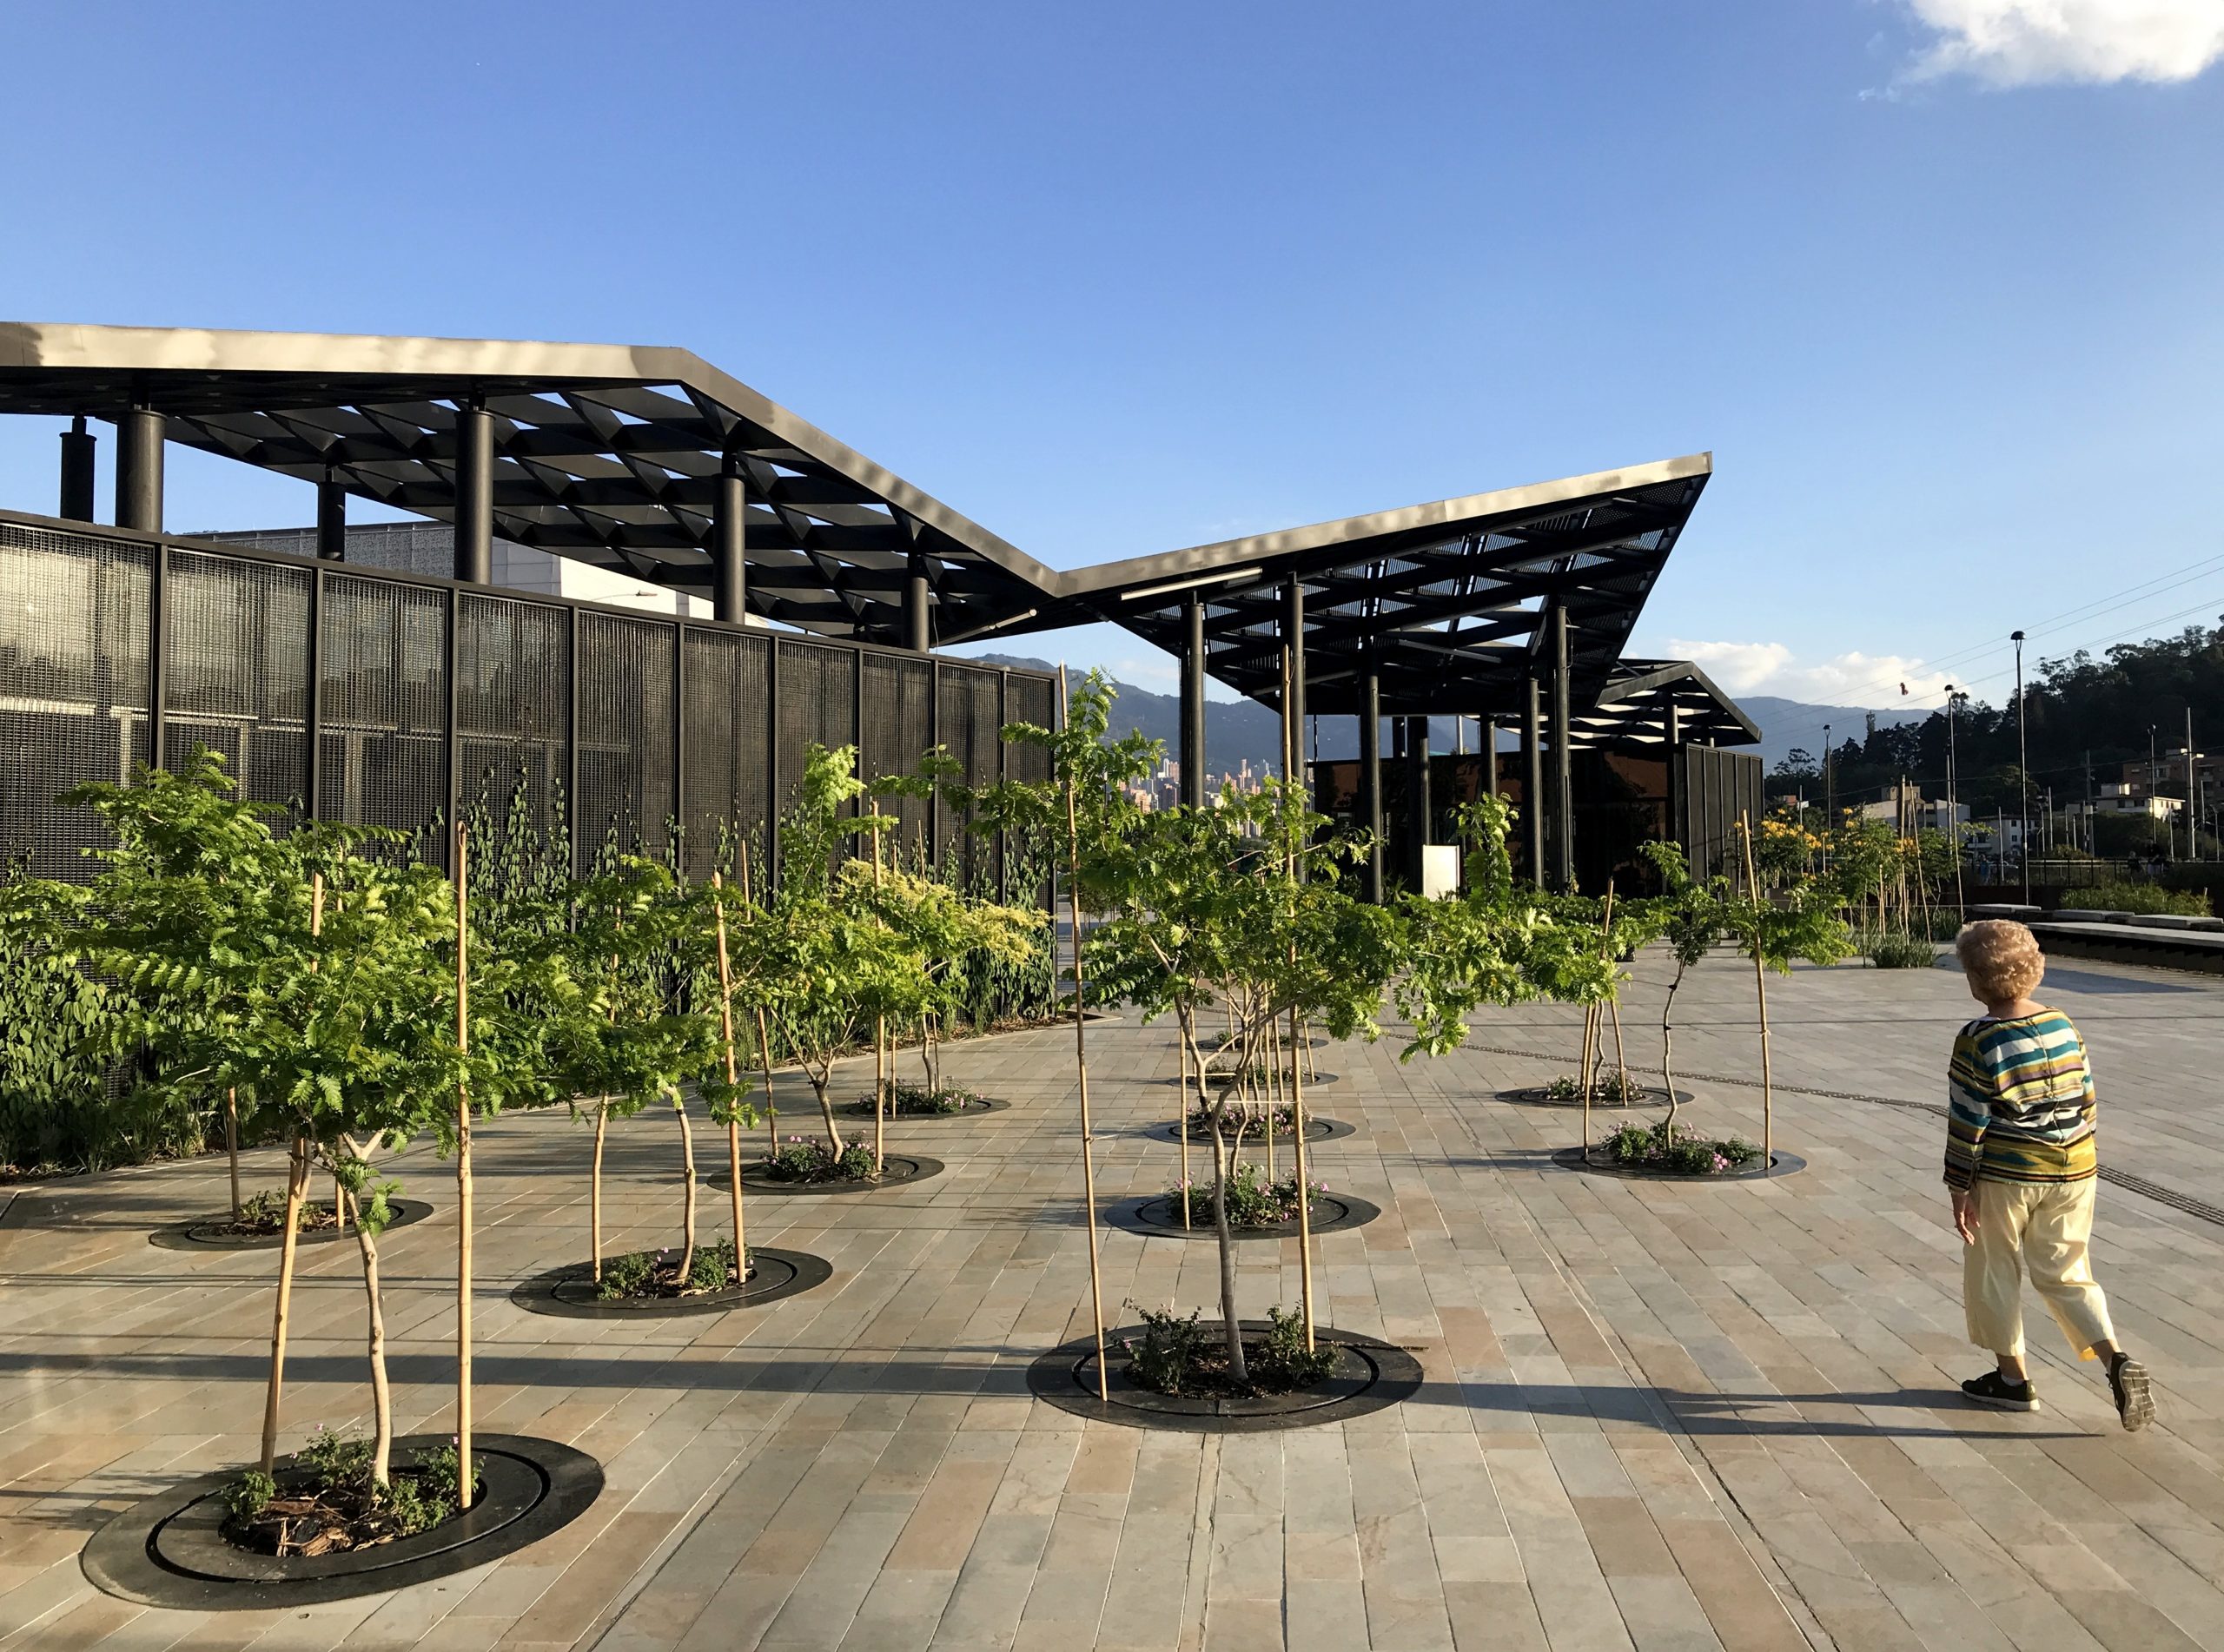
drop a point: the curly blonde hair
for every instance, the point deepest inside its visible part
(2002, 958)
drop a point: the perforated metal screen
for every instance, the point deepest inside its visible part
(512, 703)
(382, 712)
(73, 685)
(75, 670)
(626, 732)
(236, 670)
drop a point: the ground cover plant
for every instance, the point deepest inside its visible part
(812, 1160)
(1178, 1355)
(1254, 1198)
(1613, 1088)
(330, 1500)
(1651, 1147)
(658, 1275)
(917, 1100)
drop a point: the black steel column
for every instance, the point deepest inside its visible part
(474, 495)
(454, 656)
(158, 652)
(775, 805)
(1370, 780)
(1193, 704)
(139, 470)
(1416, 809)
(1293, 639)
(1490, 756)
(680, 749)
(331, 519)
(79, 448)
(572, 743)
(934, 743)
(918, 608)
(1675, 832)
(1563, 762)
(730, 544)
(1532, 773)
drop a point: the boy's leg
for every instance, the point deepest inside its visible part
(1992, 1276)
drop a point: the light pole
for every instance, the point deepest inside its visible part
(1953, 803)
(2022, 775)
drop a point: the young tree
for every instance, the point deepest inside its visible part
(830, 966)
(640, 1030)
(1694, 915)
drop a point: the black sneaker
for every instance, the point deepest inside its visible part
(2135, 1400)
(1995, 1391)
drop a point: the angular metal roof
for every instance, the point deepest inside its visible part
(1631, 712)
(608, 453)
(1448, 602)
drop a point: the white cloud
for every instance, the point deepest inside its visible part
(1853, 678)
(2030, 43)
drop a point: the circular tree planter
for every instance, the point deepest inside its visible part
(1370, 1376)
(204, 1232)
(1595, 1162)
(1536, 1095)
(898, 1169)
(1316, 1129)
(1162, 1215)
(569, 1292)
(972, 1109)
(169, 1551)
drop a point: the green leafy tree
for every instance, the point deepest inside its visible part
(641, 1028)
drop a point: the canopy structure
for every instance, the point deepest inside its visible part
(1510, 606)
(1655, 704)
(613, 454)
(1446, 606)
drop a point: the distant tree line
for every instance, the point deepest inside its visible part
(2079, 709)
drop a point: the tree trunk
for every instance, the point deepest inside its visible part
(297, 1185)
(1304, 1187)
(1193, 1061)
(594, 1189)
(687, 1164)
(1237, 1371)
(381, 1398)
(1668, 1057)
(879, 1091)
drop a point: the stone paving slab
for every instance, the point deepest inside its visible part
(1653, 1416)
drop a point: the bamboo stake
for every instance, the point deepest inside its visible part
(880, 1034)
(462, 1178)
(297, 1185)
(733, 1079)
(1274, 1091)
(1192, 1059)
(1081, 1058)
(1304, 1188)
(764, 1034)
(316, 928)
(232, 1145)
(1761, 988)
(594, 1187)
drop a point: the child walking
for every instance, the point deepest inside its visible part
(2022, 1165)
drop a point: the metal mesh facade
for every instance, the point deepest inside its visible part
(382, 707)
(618, 725)
(512, 708)
(627, 723)
(970, 713)
(817, 700)
(898, 728)
(235, 673)
(73, 685)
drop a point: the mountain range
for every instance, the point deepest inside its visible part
(1239, 729)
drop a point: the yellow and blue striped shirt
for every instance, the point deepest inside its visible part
(2019, 1094)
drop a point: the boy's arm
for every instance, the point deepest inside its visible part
(1969, 1088)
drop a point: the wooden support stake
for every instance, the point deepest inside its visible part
(733, 1079)
(1761, 990)
(764, 1034)
(1081, 1058)
(1304, 1190)
(879, 1039)
(297, 1186)
(232, 1145)
(462, 1176)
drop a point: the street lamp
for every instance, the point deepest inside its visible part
(1953, 801)
(2022, 775)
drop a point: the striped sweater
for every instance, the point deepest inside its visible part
(2021, 1095)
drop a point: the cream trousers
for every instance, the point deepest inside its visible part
(2043, 1226)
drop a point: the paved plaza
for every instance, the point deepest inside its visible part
(1666, 1417)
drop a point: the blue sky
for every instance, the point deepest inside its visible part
(1935, 280)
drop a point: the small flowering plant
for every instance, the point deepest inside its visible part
(1252, 1201)
(1649, 1147)
(809, 1159)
